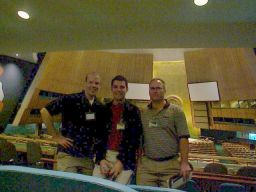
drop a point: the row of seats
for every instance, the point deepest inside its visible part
(218, 168)
(193, 186)
(239, 150)
(8, 154)
(202, 146)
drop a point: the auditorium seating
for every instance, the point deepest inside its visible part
(190, 186)
(34, 154)
(239, 150)
(202, 146)
(247, 171)
(231, 187)
(211, 181)
(142, 188)
(8, 154)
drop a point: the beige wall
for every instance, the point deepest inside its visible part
(174, 74)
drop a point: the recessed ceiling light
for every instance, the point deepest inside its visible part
(23, 14)
(17, 54)
(200, 2)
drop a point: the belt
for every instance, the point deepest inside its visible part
(163, 158)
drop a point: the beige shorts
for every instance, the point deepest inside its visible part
(124, 177)
(68, 163)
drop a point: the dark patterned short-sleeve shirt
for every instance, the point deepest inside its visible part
(73, 108)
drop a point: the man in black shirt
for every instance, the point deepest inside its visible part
(82, 124)
(116, 157)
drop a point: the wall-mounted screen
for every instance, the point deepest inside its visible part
(252, 136)
(205, 91)
(138, 91)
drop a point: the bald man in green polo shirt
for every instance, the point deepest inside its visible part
(165, 136)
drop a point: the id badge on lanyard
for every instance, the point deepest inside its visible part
(152, 124)
(89, 116)
(120, 125)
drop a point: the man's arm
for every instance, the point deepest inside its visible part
(184, 149)
(48, 121)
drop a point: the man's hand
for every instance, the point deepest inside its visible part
(116, 169)
(185, 170)
(105, 167)
(63, 141)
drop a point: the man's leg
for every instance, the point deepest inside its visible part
(167, 169)
(86, 165)
(65, 162)
(68, 163)
(146, 173)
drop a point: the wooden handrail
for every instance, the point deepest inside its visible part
(25, 139)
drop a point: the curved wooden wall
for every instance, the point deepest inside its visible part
(64, 72)
(233, 68)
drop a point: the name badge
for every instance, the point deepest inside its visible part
(90, 116)
(120, 126)
(152, 124)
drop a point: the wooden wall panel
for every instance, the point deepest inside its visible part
(234, 113)
(234, 70)
(64, 72)
(229, 127)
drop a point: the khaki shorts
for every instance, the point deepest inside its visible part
(124, 177)
(68, 163)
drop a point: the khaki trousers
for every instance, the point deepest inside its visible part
(124, 177)
(156, 173)
(68, 163)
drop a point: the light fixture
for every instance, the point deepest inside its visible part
(17, 54)
(200, 2)
(23, 14)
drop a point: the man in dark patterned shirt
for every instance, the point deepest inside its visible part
(82, 124)
(117, 160)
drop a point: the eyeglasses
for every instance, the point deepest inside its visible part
(156, 88)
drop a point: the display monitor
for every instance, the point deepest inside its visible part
(204, 91)
(252, 136)
(138, 91)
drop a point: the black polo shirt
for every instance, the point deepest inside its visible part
(73, 108)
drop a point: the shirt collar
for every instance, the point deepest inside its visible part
(166, 105)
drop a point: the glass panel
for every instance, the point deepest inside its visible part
(234, 104)
(216, 105)
(225, 104)
(243, 104)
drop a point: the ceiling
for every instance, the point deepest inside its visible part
(125, 24)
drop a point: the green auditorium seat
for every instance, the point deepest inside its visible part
(216, 168)
(247, 171)
(190, 186)
(34, 154)
(142, 188)
(231, 187)
(8, 154)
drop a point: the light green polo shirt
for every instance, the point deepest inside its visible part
(159, 142)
